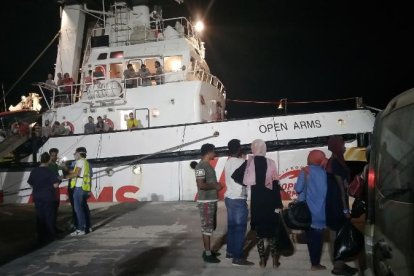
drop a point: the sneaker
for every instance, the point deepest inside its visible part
(90, 230)
(241, 262)
(77, 233)
(229, 256)
(210, 259)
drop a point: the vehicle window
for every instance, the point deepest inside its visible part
(396, 156)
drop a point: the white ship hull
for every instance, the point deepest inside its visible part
(163, 155)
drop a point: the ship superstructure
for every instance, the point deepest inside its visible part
(180, 109)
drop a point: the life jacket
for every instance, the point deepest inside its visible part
(86, 178)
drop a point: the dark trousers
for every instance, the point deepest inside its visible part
(315, 243)
(45, 220)
(74, 219)
(56, 205)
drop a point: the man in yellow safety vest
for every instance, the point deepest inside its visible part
(80, 181)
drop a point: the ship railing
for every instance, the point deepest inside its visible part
(176, 77)
(102, 91)
(156, 30)
(62, 95)
(207, 77)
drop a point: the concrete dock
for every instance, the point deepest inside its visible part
(146, 238)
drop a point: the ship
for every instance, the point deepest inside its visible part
(180, 107)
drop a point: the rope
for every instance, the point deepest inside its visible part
(290, 102)
(30, 66)
(108, 169)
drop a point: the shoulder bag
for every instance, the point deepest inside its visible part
(298, 216)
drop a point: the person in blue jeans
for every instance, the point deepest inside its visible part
(81, 183)
(235, 199)
(312, 187)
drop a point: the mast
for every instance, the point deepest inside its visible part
(70, 42)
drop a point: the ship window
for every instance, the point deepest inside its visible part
(115, 70)
(117, 54)
(173, 63)
(136, 64)
(150, 63)
(102, 56)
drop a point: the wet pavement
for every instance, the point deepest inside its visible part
(147, 238)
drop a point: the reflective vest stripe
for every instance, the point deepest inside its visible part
(86, 179)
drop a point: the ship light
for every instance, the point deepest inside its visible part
(155, 112)
(137, 169)
(199, 26)
(176, 65)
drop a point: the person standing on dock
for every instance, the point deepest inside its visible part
(81, 183)
(235, 199)
(207, 199)
(44, 182)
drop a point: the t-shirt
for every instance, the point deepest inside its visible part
(234, 190)
(89, 128)
(79, 164)
(42, 180)
(205, 171)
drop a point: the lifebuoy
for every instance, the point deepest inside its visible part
(68, 125)
(109, 123)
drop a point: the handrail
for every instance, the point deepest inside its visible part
(198, 74)
(110, 170)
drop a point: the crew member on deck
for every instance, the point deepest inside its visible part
(133, 123)
(130, 77)
(145, 75)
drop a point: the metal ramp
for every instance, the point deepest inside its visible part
(9, 145)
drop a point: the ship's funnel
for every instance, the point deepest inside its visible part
(70, 43)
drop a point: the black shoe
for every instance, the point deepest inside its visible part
(241, 262)
(262, 262)
(229, 256)
(350, 269)
(210, 259)
(215, 253)
(342, 271)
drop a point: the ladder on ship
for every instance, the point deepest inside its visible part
(121, 26)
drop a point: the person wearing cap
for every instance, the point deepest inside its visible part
(235, 199)
(81, 183)
(207, 199)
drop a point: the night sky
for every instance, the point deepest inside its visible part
(261, 50)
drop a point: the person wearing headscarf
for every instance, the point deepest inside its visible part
(337, 201)
(311, 187)
(266, 203)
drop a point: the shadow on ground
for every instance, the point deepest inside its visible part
(18, 225)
